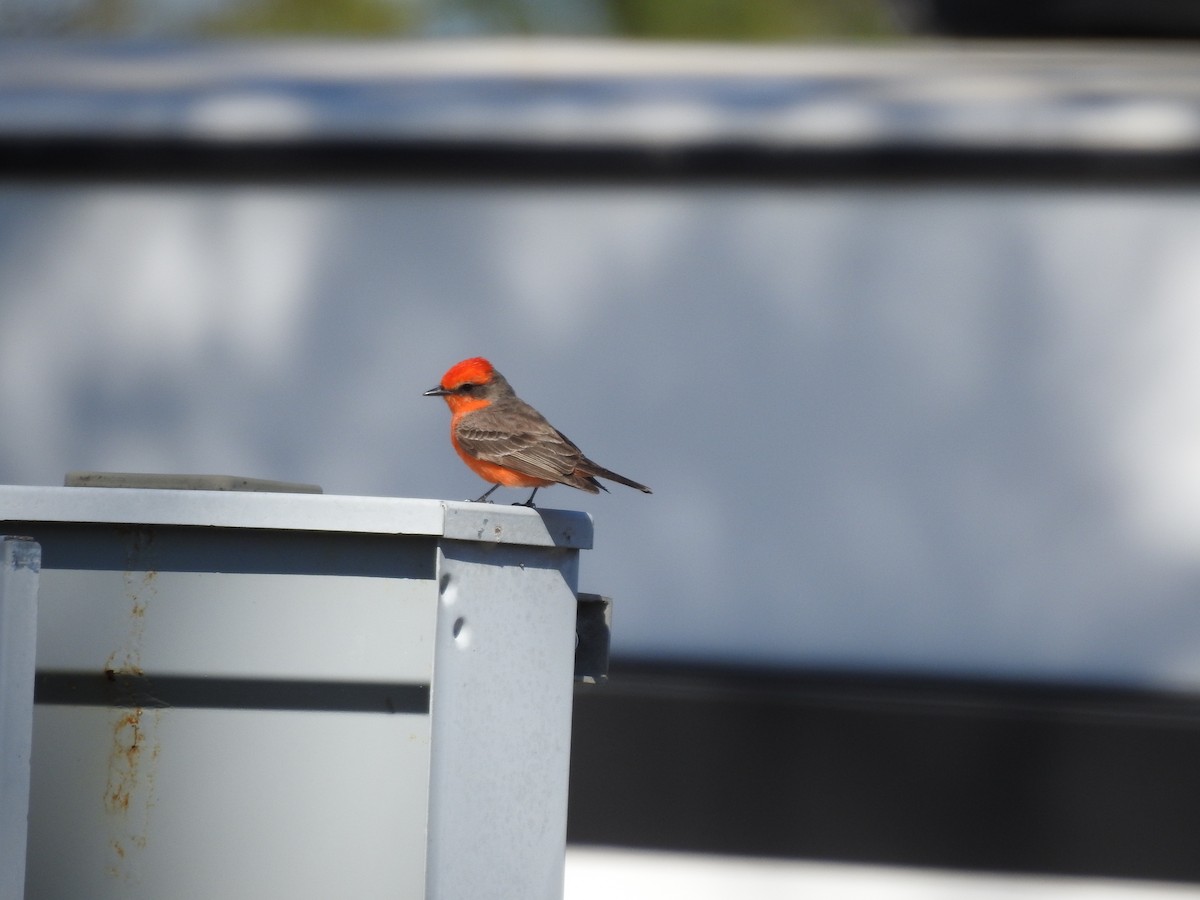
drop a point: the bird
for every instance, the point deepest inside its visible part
(505, 441)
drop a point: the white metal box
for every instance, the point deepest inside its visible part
(253, 695)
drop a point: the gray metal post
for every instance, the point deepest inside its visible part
(20, 560)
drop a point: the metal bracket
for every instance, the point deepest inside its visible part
(593, 628)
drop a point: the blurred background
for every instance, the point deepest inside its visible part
(762, 21)
(893, 304)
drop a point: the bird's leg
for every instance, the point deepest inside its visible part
(487, 493)
(528, 502)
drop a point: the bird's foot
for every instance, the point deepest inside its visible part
(483, 498)
(528, 504)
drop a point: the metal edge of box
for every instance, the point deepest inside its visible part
(518, 525)
(298, 512)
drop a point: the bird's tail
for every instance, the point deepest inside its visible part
(601, 472)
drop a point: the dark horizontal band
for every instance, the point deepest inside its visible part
(189, 548)
(867, 767)
(126, 690)
(141, 159)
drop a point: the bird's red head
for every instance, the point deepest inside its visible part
(475, 370)
(465, 385)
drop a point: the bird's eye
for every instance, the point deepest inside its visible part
(466, 388)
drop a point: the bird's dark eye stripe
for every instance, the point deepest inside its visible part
(466, 388)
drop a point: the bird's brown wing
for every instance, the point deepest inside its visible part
(517, 436)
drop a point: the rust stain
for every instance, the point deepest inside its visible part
(128, 741)
(140, 589)
(111, 674)
(129, 788)
(129, 791)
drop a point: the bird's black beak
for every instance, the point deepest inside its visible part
(436, 392)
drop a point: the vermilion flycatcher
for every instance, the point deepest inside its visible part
(505, 441)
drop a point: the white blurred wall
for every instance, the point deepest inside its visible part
(602, 873)
(934, 428)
